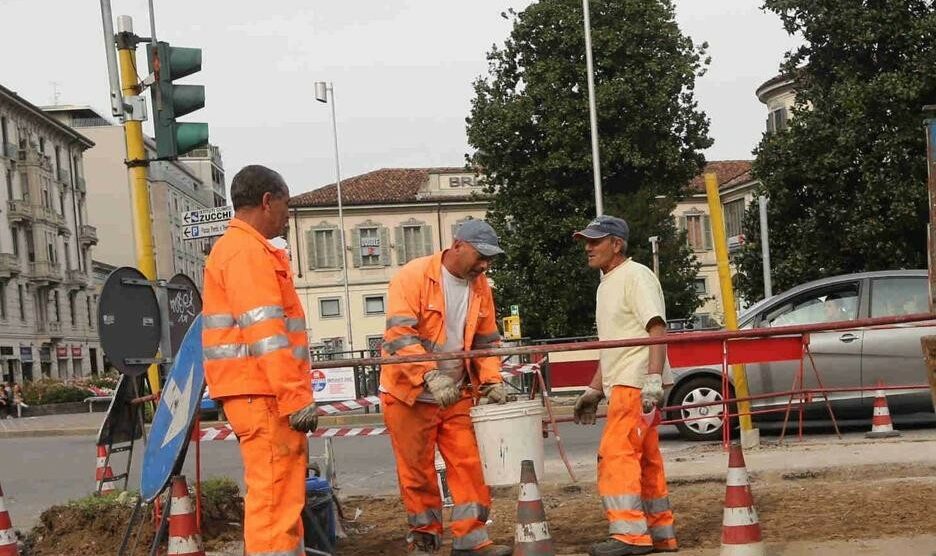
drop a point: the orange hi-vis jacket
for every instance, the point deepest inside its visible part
(254, 330)
(416, 324)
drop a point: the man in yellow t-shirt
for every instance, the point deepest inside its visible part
(631, 480)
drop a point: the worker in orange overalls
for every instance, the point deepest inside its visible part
(631, 481)
(443, 303)
(257, 360)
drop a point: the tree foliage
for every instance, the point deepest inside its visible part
(530, 130)
(846, 181)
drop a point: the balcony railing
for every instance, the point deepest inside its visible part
(20, 210)
(54, 329)
(87, 235)
(50, 216)
(77, 277)
(44, 271)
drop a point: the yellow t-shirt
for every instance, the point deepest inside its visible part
(629, 297)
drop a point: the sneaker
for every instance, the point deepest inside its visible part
(489, 550)
(614, 547)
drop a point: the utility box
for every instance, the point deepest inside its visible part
(512, 328)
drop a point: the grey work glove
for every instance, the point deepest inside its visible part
(586, 406)
(652, 392)
(306, 419)
(442, 388)
(494, 392)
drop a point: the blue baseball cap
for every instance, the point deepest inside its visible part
(604, 226)
(481, 236)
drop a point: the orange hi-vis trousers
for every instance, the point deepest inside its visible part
(414, 432)
(275, 460)
(631, 480)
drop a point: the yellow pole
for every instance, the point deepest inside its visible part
(139, 187)
(748, 432)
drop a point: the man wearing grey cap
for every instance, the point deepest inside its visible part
(443, 303)
(631, 481)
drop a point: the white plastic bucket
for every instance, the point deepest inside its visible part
(508, 434)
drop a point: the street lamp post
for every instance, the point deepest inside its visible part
(592, 111)
(321, 94)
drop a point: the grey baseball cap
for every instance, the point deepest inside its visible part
(604, 226)
(481, 236)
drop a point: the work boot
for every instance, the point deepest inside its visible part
(614, 547)
(489, 550)
(422, 544)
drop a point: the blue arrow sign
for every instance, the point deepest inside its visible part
(169, 434)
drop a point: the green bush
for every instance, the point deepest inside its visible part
(50, 390)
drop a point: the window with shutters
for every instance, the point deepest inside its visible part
(734, 218)
(370, 245)
(330, 307)
(413, 240)
(324, 247)
(698, 230)
(374, 305)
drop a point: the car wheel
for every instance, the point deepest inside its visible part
(702, 423)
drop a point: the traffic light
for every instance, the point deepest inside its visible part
(171, 101)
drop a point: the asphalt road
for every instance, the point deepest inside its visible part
(40, 472)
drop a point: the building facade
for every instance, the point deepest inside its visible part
(48, 307)
(391, 216)
(175, 188)
(206, 163)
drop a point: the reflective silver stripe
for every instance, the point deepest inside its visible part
(301, 352)
(656, 505)
(396, 345)
(225, 351)
(297, 552)
(625, 527)
(663, 532)
(430, 347)
(472, 510)
(428, 517)
(296, 324)
(485, 340)
(621, 502)
(268, 345)
(260, 314)
(470, 540)
(401, 321)
(220, 320)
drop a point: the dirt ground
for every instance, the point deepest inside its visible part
(859, 502)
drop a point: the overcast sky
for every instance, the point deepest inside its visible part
(402, 71)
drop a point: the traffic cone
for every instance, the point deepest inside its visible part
(741, 532)
(184, 536)
(7, 534)
(532, 537)
(881, 424)
(103, 472)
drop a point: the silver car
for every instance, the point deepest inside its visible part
(843, 358)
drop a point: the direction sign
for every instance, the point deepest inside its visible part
(184, 305)
(199, 224)
(128, 320)
(172, 423)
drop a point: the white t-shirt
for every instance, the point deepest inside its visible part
(629, 297)
(457, 292)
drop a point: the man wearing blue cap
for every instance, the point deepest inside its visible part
(631, 481)
(443, 303)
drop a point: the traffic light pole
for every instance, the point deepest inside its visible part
(137, 164)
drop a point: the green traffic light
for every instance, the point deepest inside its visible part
(190, 135)
(172, 101)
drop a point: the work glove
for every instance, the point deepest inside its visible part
(652, 392)
(442, 388)
(586, 406)
(306, 419)
(494, 392)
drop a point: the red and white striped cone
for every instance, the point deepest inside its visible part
(7, 534)
(103, 472)
(184, 536)
(741, 532)
(881, 424)
(532, 537)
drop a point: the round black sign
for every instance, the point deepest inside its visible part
(128, 320)
(185, 304)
